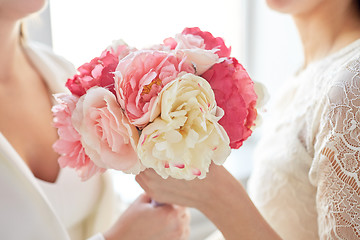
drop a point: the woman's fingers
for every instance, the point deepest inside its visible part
(143, 198)
(140, 180)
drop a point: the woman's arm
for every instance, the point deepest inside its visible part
(219, 196)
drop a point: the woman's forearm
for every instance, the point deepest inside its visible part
(232, 211)
(219, 196)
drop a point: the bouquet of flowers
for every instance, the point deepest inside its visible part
(174, 107)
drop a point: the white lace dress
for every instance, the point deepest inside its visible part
(306, 178)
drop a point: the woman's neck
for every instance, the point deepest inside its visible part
(11, 54)
(327, 29)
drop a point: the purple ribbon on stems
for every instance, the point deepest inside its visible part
(156, 204)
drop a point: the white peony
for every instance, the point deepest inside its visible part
(186, 137)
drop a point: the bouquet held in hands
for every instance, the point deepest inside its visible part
(175, 107)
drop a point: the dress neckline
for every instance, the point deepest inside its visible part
(331, 57)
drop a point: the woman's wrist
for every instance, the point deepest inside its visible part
(219, 191)
(229, 207)
(219, 197)
(114, 232)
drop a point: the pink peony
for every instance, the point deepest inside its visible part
(99, 72)
(189, 41)
(140, 77)
(185, 41)
(120, 49)
(106, 134)
(170, 42)
(234, 93)
(202, 60)
(194, 50)
(68, 146)
(210, 41)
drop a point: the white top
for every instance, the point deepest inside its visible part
(306, 177)
(67, 209)
(72, 199)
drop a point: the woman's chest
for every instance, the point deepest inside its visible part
(26, 121)
(290, 129)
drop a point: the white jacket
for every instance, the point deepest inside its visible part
(25, 211)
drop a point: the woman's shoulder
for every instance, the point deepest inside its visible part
(345, 84)
(336, 93)
(336, 66)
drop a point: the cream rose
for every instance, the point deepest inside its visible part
(186, 137)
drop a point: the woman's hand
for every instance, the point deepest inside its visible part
(219, 196)
(192, 193)
(142, 220)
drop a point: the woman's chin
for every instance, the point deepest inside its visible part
(282, 6)
(18, 9)
(293, 7)
(33, 6)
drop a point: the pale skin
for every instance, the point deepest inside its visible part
(144, 221)
(220, 196)
(23, 93)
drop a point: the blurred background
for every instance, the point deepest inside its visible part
(265, 42)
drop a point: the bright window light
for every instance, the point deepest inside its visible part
(83, 28)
